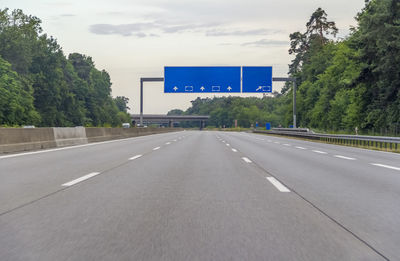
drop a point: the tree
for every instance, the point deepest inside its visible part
(16, 103)
(122, 103)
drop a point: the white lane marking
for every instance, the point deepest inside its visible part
(167, 143)
(320, 152)
(75, 181)
(227, 144)
(300, 148)
(77, 146)
(277, 184)
(344, 157)
(276, 142)
(385, 166)
(234, 150)
(156, 148)
(135, 157)
(288, 145)
(246, 159)
(174, 140)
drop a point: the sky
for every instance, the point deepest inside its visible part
(137, 38)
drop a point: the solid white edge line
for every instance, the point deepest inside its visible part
(234, 150)
(156, 148)
(246, 159)
(344, 157)
(78, 180)
(135, 157)
(277, 184)
(385, 166)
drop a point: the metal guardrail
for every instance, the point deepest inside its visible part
(373, 142)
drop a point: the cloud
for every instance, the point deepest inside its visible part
(122, 29)
(151, 28)
(266, 42)
(221, 32)
(67, 15)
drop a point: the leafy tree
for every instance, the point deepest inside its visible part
(122, 103)
(16, 103)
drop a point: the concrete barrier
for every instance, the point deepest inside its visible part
(104, 134)
(14, 140)
(70, 136)
(17, 140)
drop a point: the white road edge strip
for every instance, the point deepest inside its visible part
(156, 148)
(246, 159)
(75, 181)
(343, 157)
(385, 166)
(277, 184)
(234, 150)
(135, 157)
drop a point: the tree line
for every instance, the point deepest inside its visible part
(40, 86)
(343, 84)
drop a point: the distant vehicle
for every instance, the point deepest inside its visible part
(126, 125)
(28, 127)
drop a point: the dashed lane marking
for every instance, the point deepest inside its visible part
(385, 166)
(246, 160)
(344, 157)
(135, 157)
(78, 180)
(320, 152)
(277, 184)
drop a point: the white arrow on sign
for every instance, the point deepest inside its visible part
(175, 88)
(259, 88)
(202, 88)
(229, 88)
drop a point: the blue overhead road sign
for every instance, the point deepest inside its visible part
(201, 79)
(257, 79)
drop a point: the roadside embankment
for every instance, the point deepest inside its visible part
(16, 140)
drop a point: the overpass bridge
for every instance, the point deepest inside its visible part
(169, 119)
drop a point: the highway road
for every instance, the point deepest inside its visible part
(200, 195)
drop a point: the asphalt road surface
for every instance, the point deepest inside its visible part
(198, 195)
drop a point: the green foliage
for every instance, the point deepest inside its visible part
(40, 86)
(354, 82)
(224, 111)
(16, 102)
(122, 103)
